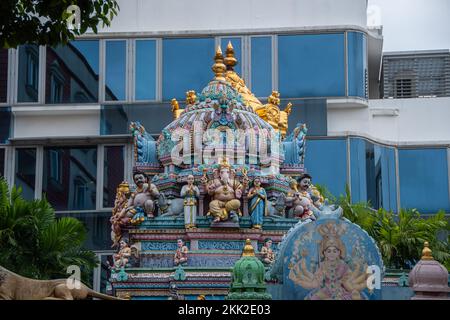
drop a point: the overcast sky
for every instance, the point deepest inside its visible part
(412, 24)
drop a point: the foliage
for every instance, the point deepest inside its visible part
(44, 22)
(37, 245)
(400, 237)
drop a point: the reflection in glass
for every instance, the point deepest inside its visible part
(115, 64)
(25, 171)
(145, 79)
(2, 162)
(357, 64)
(236, 43)
(72, 72)
(69, 179)
(28, 74)
(112, 174)
(261, 66)
(186, 66)
(3, 74)
(98, 228)
(373, 174)
(311, 65)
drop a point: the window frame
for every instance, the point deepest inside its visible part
(102, 67)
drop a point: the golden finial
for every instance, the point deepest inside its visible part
(230, 59)
(219, 67)
(191, 97)
(274, 98)
(175, 105)
(288, 108)
(426, 252)
(248, 249)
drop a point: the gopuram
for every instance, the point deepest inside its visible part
(226, 172)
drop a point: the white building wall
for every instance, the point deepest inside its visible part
(422, 120)
(43, 123)
(203, 15)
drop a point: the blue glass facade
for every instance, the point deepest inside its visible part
(326, 162)
(261, 62)
(424, 179)
(116, 70)
(145, 70)
(357, 64)
(186, 66)
(311, 65)
(373, 176)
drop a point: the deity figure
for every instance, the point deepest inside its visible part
(299, 201)
(190, 193)
(122, 257)
(120, 216)
(181, 255)
(334, 278)
(134, 259)
(268, 257)
(225, 191)
(258, 204)
(142, 199)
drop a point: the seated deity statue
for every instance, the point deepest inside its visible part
(299, 202)
(268, 257)
(142, 199)
(181, 255)
(225, 192)
(122, 257)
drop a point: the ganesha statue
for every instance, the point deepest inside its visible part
(225, 191)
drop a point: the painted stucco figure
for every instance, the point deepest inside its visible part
(225, 191)
(299, 203)
(181, 254)
(142, 200)
(267, 254)
(258, 207)
(122, 257)
(190, 193)
(120, 215)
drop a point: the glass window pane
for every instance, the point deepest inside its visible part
(424, 179)
(5, 123)
(72, 73)
(112, 174)
(261, 66)
(2, 162)
(186, 66)
(28, 77)
(69, 179)
(3, 74)
(115, 64)
(326, 162)
(25, 171)
(236, 43)
(145, 79)
(98, 228)
(373, 174)
(311, 65)
(357, 64)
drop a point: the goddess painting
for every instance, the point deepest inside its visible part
(334, 278)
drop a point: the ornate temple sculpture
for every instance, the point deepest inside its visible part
(122, 257)
(142, 199)
(267, 255)
(16, 287)
(258, 204)
(190, 193)
(225, 191)
(181, 254)
(121, 217)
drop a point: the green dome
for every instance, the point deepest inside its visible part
(248, 277)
